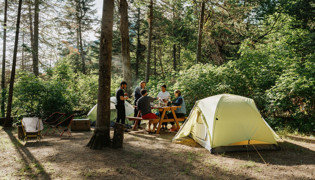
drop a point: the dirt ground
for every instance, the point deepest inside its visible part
(147, 156)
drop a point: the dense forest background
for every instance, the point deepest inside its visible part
(259, 49)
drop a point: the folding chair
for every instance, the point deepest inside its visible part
(32, 127)
(53, 120)
(65, 125)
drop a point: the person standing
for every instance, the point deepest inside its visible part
(138, 95)
(121, 96)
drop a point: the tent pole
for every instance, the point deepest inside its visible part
(259, 153)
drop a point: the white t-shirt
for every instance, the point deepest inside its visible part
(163, 95)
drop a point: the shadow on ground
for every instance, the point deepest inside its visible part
(153, 158)
(289, 155)
(32, 164)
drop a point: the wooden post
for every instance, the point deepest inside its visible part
(118, 138)
(20, 132)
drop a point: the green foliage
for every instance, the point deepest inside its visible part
(293, 98)
(35, 97)
(61, 90)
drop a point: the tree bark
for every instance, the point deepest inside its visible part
(101, 136)
(79, 31)
(154, 52)
(150, 19)
(78, 47)
(8, 120)
(179, 49)
(200, 31)
(22, 61)
(162, 70)
(125, 51)
(174, 56)
(81, 49)
(4, 58)
(36, 34)
(31, 30)
(138, 46)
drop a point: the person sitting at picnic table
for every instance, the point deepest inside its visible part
(163, 94)
(143, 105)
(179, 112)
(137, 97)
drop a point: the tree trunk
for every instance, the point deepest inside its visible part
(31, 30)
(80, 16)
(3, 58)
(125, 52)
(81, 48)
(162, 70)
(77, 58)
(154, 51)
(8, 120)
(138, 46)
(202, 14)
(179, 49)
(147, 75)
(22, 61)
(36, 34)
(174, 56)
(101, 136)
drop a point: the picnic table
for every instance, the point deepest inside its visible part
(163, 118)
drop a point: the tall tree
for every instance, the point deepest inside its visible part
(79, 16)
(31, 33)
(80, 13)
(200, 30)
(174, 56)
(3, 58)
(154, 56)
(36, 34)
(150, 20)
(101, 136)
(138, 52)
(8, 120)
(125, 51)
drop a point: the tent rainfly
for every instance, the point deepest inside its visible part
(128, 107)
(228, 122)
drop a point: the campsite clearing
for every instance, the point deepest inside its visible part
(147, 156)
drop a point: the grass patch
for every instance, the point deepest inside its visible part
(191, 156)
(138, 155)
(133, 165)
(187, 171)
(249, 164)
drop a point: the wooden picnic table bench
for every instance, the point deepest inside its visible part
(162, 118)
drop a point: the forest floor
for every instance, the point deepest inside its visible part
(146, 156)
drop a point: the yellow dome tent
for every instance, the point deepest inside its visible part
(227, 123)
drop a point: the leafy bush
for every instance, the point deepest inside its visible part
(35, 97)
(293, 97)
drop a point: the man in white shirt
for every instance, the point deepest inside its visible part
(164, 95)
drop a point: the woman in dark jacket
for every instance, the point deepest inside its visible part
(180, 112)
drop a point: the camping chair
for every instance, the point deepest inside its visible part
(65, 125)
(53, 120)
(32, 127)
